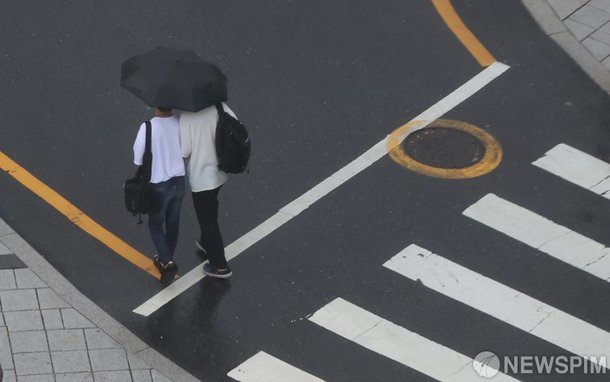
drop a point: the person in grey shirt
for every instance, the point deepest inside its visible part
(198, 133)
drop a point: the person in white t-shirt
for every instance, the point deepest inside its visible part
(167, 185)
(198, 132)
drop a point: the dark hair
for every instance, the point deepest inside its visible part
(164, 110)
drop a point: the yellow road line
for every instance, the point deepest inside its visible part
(461, 31)
(76, 216)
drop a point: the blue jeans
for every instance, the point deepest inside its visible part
(166, 205)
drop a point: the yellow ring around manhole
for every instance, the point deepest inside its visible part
(489, 162)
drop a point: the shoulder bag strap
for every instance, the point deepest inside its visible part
(147, 160)
(147, 149)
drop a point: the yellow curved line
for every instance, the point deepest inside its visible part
(490, 161)
(461, 31)
(76, 216)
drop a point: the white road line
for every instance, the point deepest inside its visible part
(297, 206)
(577, 167)
(542, 234)
(397, 343)
(501, 302)
(265, 368)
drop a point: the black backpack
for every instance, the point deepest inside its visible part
(232, 143)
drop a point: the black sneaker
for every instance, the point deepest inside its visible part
(168, 267)
(219, 273)
(200, 247)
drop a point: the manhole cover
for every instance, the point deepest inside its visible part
(444, 147)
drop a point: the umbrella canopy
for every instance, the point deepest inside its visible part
(174, 79)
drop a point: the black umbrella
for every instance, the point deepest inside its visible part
(174, 79)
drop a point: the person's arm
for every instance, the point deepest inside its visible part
(186, 141)
(139, 145)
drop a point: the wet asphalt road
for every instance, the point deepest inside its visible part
(317, 84)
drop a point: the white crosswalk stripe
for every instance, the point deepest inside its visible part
(577, 167)
(501, 302)
(397, 343)
(263, 367)
(542, 234)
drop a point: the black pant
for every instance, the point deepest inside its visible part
(206, 208)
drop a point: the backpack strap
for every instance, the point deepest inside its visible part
(219, 108)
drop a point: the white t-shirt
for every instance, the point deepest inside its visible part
(167, 156)
(198, 131)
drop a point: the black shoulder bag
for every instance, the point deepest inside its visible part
(137, 189)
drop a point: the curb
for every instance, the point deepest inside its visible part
(49, 275)
(552, 25)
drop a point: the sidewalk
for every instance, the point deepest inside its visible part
(589, 22)
(49, 331)
(582, 29)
